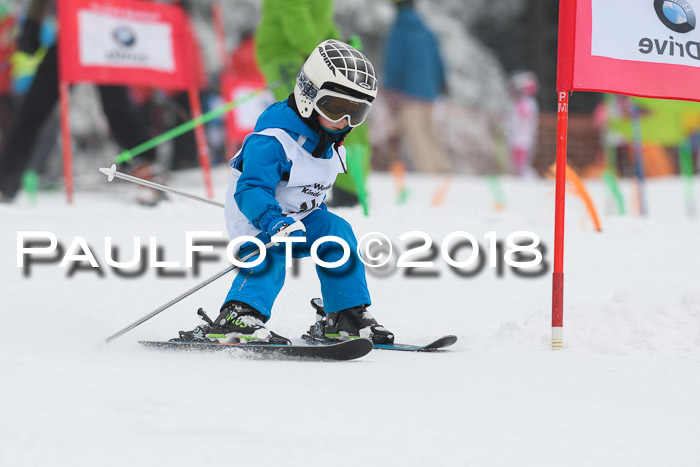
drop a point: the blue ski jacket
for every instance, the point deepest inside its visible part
(264, 164)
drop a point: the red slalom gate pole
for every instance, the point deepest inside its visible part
(64, 99)
(200, 137)
(558, 275)
(217, 16)
(196, 108)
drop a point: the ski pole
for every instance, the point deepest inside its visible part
(284, 233)
(112, 172)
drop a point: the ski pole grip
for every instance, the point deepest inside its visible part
(289, 230)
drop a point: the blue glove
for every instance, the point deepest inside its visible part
(277, 224)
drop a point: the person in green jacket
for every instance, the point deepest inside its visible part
(288, 32)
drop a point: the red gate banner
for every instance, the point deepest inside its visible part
(648, 48)
(124, 42)
(241, 120)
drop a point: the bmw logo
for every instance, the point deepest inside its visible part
(124, 36)
(677, 15)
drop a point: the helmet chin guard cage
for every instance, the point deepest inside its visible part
(337, 67)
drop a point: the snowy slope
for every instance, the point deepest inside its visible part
(622, 392)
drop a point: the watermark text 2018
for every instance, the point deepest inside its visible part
(461, 251)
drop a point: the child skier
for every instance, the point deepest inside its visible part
(281, 175)
(522, 122)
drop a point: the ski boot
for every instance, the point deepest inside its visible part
(346, 324)
(237, 323)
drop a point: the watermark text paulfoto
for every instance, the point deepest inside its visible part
(522, 252)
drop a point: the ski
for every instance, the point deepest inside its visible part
(316, 335)
(346, 350)
(437, 344)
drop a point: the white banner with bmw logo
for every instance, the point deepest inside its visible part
(107, 40)
(126, 42)
(657, 31)
(648, 48)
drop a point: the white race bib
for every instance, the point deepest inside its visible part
(310, 178)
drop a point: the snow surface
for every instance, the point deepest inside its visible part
(624, 391)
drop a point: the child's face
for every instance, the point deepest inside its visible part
(328, 125)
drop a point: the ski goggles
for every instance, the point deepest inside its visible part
(335, 106)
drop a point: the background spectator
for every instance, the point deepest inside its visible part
(416, 77)
(521, 128)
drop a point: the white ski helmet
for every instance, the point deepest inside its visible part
(341, 69)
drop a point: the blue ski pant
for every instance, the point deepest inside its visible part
(341, 288)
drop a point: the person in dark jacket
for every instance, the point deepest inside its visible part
(415, 77)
